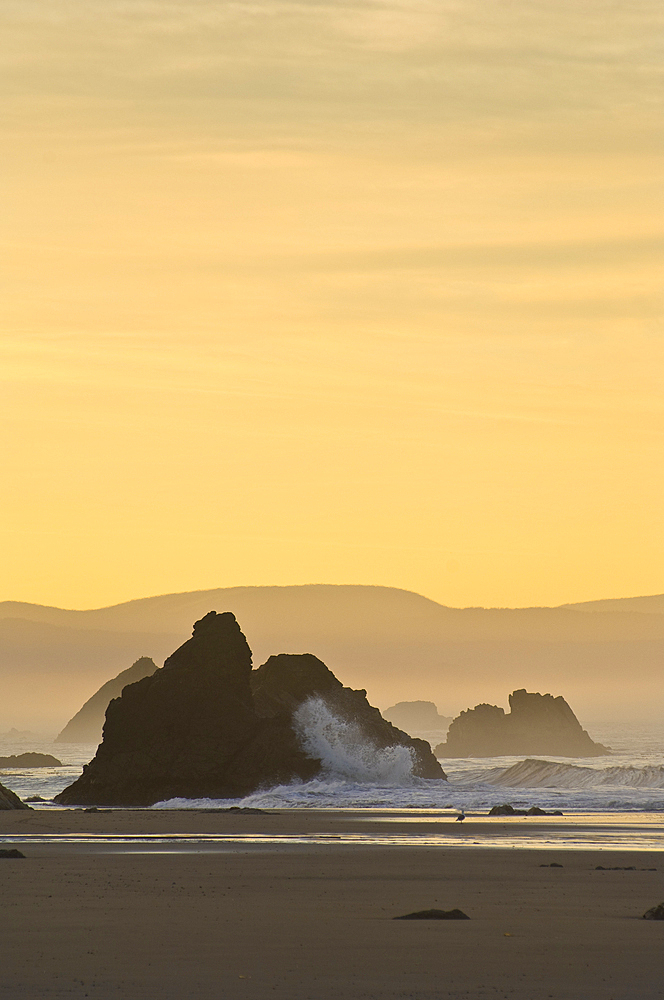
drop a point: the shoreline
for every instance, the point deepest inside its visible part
(208, 905)
(317, 923)
(226, 829)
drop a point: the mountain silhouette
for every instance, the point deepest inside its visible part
(400, 646)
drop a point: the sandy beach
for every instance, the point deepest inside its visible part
(244, 918)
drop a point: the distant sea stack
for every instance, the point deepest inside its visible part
(86, 725)
(10, 800)
(30, 760)
(417, 716)
(207, 726)
(535, 724)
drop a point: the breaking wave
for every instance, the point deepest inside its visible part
(344, 750)
(356, 774)
(551, 774)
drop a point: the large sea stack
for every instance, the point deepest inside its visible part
(536, 724)
(207, 726)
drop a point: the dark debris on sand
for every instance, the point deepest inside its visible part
(618, 868)
(434, 915)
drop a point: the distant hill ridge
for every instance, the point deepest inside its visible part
(171, 612)
(605, 656)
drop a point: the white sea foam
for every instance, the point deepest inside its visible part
(344, 751)
(357, 776)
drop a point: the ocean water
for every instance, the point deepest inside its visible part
(357, 775)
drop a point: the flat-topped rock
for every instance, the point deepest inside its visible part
(30, 760)
(417, 716)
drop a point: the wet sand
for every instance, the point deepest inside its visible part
(307, 921)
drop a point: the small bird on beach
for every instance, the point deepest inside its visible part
(460, 818)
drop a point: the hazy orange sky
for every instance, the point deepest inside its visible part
(300, 292)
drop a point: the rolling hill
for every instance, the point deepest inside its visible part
(605, 657)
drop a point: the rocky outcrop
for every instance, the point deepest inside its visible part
(536, 724)
(507, 809)
(207, 726)
(417, 716)
(30, 760)
(9, 800)
(288, 680)
(86, 725)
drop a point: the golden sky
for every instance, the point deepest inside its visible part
(303, 292)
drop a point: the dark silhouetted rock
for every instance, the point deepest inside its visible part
(9, 800)
(11, 852)
(655, 913)
(506, 810)
(207, 726)
(176, 732)
(86, 725)
(536, 724)
(288, 680)
(434, 915)
(30, 760)
(417, 716)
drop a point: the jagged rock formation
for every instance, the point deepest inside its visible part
(206, 726)
(9, 800)
(288, 680)
(30, 760)
(536, 724)
(417, 716)
(86, 725)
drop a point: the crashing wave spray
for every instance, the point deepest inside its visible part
(344, 750)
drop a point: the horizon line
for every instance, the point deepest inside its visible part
(372, 586)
